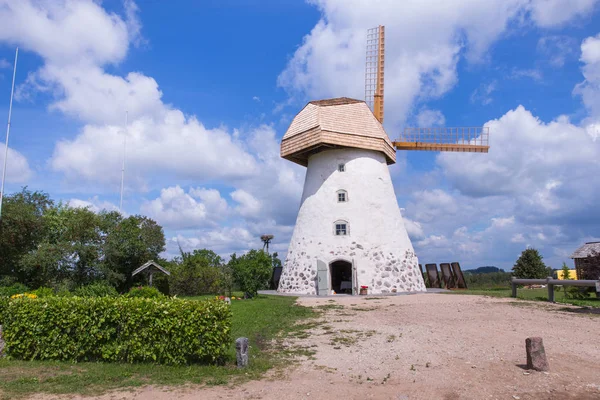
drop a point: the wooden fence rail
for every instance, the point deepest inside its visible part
(551, 282)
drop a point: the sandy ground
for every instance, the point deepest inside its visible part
(427, 346)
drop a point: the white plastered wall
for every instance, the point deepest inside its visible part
(377, 242)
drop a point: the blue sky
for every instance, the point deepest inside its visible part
(211, 87)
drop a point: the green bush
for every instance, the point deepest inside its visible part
(252, 271)
(3, 305)
(98, 289)
(145, 291)
(117, 329)
(43, 292)
(13, 289)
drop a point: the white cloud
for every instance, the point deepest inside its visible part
(425, 40)
(427, 117)
(17, 167)
(4, 64)
(551, 13)
(249, 206)
(589, 89)
(483, 93)
(177, 209)
(534, 74)
(556, 49)
(175, 145)
(94, 204)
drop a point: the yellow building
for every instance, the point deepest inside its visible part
(572, 274)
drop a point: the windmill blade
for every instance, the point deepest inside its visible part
(374, 70)
(462, 139)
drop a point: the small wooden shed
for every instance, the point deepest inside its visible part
(587, 261)
(150, 268)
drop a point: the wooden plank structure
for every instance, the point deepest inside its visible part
(426, 281)
(333, 124)
(587, 261)
(448, 276)
(461, 139)
(458, 276)
(149, 268)
(433, 276)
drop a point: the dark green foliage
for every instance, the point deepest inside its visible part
(130, 242)
(145, 292)
(196, 273)
(530, 265)
(98, 289)
(484, 270)
(164, 331)
(490, 280)
(252, 271)
(55, 245)
(3, 305)
(13, 289)
(43, 292)
(21, 229)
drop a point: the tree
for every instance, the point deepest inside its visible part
(21, 228)
(530, 265)
(196, 273)
(566, 274)
(252, 271)
(128, 244)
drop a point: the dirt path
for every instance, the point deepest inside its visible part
(429, 346)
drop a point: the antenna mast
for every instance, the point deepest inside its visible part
(123, 166)
(12, 91)
(374, 70)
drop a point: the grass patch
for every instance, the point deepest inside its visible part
(534, 294)
(254, 319)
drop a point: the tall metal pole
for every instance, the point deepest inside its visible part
(12, 91)
(123, 167)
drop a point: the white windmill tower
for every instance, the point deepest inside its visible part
(349, 232)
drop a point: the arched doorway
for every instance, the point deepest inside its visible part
(341, 276)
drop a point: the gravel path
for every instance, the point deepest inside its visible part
(427, 346)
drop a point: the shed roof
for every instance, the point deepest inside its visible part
(587, 250)
(150, 264)
(331, 123)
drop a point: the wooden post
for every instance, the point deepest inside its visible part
(550, 290)
(514, 287)
(150, 278)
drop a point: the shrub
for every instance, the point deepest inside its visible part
(530, 265)
(98, 289)
(3, 305)
(199, 272)
(145, 291)
(13, 289)
(252, 271)
(117, 329)
(43, 292)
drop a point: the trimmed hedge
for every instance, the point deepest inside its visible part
(3, 305)
(165, 331)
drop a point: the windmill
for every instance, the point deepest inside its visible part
(461, 139)
(349, 233)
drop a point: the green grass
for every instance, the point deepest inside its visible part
(534, 294)
(261, 320)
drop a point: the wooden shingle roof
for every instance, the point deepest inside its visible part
(587, 250)
(334, 123)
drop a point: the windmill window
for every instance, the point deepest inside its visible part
(341, 228)
(341, 167)
(342, 196)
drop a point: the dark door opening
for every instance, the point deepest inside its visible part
(341, 276)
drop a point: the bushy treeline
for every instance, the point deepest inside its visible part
(49, 244)
(45, 244)
(489, 280)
